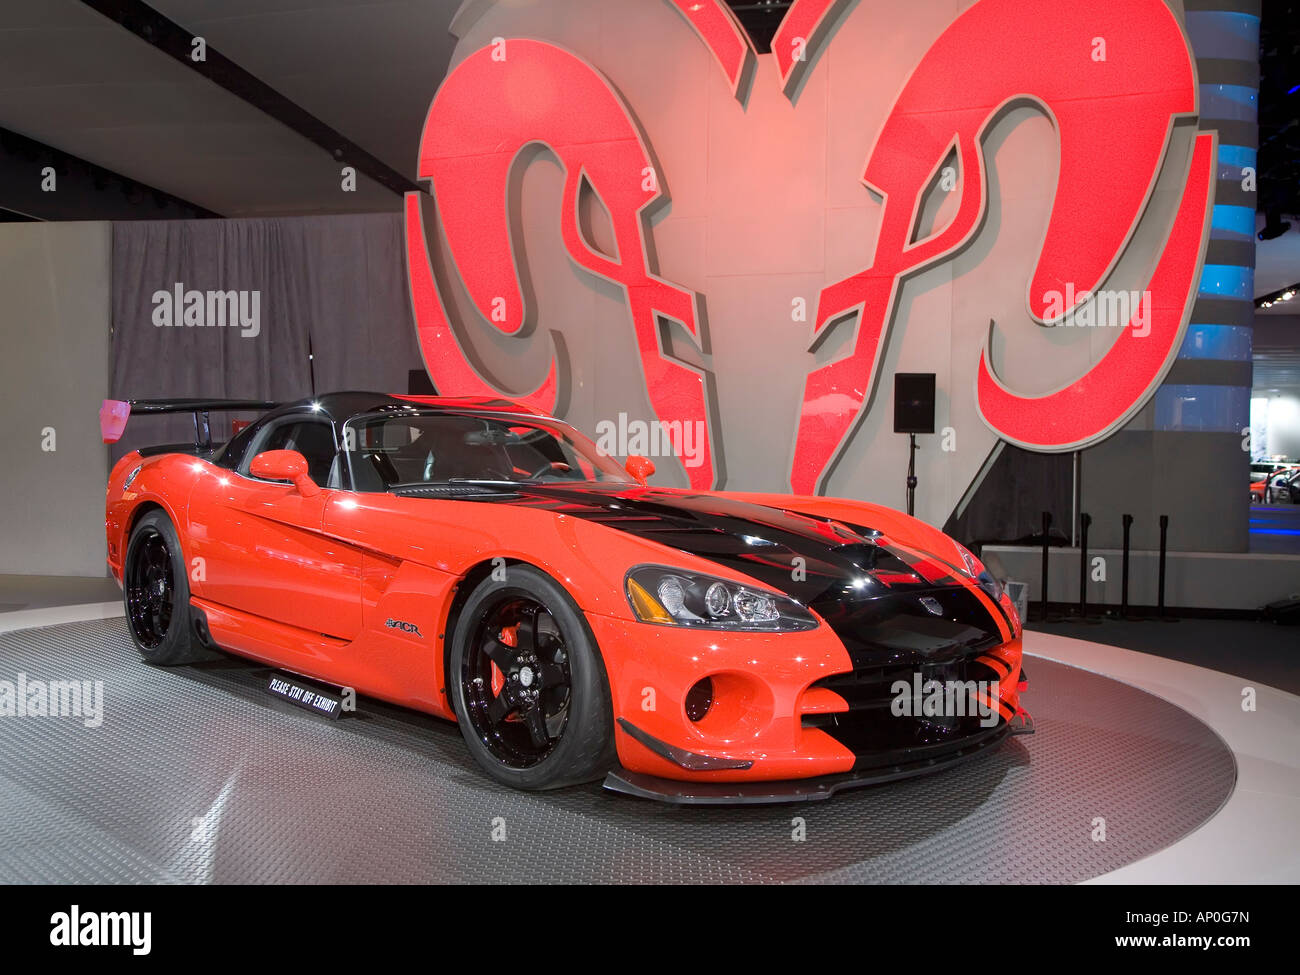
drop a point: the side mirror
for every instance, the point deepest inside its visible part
(640, 467)
(285, 465)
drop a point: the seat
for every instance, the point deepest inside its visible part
(315, 441)
(445, 452)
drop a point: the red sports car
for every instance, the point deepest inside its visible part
(486, 563)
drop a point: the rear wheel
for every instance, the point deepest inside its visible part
(156, 593)
(528, 685)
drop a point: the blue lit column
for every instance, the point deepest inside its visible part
(1182, 454)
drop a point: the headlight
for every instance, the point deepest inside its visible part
(675, 597)
(982, 576)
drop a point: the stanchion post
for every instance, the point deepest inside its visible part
(1164, 540)
(1085, 520)
(1047, 527)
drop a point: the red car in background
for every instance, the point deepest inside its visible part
(1263, 476)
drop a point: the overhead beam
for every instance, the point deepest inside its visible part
(39, 182)
(174, 40)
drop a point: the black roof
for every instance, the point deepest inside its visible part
(342, 406)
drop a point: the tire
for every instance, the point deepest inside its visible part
(535, 714)
(156, 594)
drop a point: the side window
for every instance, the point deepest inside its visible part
(314, 439)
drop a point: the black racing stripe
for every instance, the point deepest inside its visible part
(878, 735)
(1006, 615)
(905, 630)
(828, 566)
(810, 559)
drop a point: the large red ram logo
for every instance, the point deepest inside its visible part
(1113, 118)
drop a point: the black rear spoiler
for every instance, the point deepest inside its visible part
(115, 412)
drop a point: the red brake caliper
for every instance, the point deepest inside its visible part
(509, 635)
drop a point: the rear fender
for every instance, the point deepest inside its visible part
(165, 482)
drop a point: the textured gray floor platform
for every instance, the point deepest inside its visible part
(198, 775)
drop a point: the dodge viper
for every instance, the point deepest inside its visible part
(481, 561)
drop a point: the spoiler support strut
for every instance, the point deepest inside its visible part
(115, 412)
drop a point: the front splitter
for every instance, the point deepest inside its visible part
(685, 793)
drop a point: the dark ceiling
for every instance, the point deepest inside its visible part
(292, 91)
(760, 18)
(1279, 107)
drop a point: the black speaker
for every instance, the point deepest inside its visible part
(914, 402)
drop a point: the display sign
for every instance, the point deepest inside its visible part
(1114, 79)
(307, 694)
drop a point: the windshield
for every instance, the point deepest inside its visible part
(411, 449)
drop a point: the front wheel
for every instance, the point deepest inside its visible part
(528, 684)
(156, 593)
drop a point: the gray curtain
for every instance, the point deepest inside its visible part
(354, 295)
(330, 296)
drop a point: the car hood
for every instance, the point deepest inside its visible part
(874, 590)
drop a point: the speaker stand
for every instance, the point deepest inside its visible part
(911, 475)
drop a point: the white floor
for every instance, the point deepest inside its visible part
(1254, 838)
(25, 619)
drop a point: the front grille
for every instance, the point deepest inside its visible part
(878, 737)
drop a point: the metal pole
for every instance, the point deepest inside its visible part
(202, 430)
(1047, 527)
(1076, 497)
(1083, 566)
(911, 474)
(1123, 602)
(1085, 520)
(1164, 534)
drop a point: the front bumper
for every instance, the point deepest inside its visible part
(681, 793)
(791, 706)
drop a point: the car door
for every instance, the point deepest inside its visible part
(258, 544)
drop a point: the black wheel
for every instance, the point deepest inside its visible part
(528, 685)
(156, 593)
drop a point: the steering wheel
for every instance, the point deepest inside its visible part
(557, 465)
